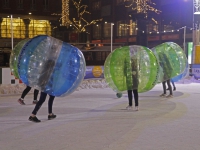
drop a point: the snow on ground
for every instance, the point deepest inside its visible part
(10, 89)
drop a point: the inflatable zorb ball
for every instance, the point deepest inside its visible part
(172, 60)
(14, 57)
(50, 65)
(131, 67)
(182, 75)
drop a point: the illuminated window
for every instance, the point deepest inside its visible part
(132, 28)
(5, 3)
(20, 4)
(18, 28)
(97, 31)
(46, 4)
(36, 27)
(39, 27)
(122, 28)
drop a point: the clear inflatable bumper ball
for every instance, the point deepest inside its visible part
(172, 60)
(14, 57)
(51, 65)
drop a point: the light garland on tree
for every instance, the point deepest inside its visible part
(65, 13)
(141, 6)
(80, 23)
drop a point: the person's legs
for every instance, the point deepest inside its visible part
(135, 92)
(164, 87)
(170, 87)
(50, 106)
(130, 97)
(35, 95)
(39, 103)
(37, 107)
(24, 93)
(174, 87)
(50, 103)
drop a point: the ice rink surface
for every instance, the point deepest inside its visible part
(95, 119)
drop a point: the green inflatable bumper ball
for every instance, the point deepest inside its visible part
(131, 67)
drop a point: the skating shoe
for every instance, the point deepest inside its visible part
(35, 102)
(21, 101)
(169, 96)
(129, 107)
(136, 108)
(174, 89)
(162, 95)
(33, 119)
(50, 117)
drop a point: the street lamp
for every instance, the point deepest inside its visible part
(111, 35)
(11, 27)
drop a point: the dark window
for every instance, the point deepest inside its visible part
(20, 4)
(120, 2)
(106, 10)
(96, 5)
(97, 31)
(5, 3)
(33, 4)
(46, 4)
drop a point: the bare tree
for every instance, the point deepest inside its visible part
(142, 6)
(78, 22)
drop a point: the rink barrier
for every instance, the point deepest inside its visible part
(6, 77)
(195, 70)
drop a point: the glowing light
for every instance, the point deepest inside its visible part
(79, 23)
(196, 6)
(141, 6)
(65, 13)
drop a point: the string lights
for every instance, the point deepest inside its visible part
(142, 6)
(79, 23)
(158, 32)
(65, 13)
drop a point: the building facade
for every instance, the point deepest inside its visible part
(20, 19)
(120, 20)
(130, 26)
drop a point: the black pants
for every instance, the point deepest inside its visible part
(173, 84)
(130, 97)
(169, 86)
(26, 90)
(41, 101)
